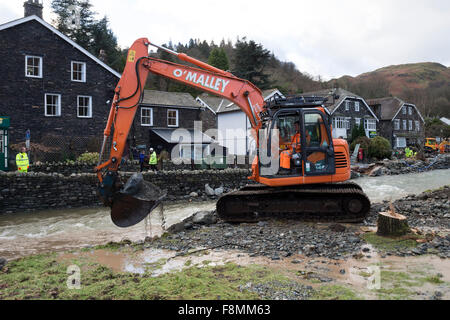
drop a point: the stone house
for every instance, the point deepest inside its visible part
(163, 116)
(400, 122)
(348, 110)
(51, 85)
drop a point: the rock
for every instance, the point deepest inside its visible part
(342, 271)
(354, 175)
(177, 227)
(337, 227)
(204, 217)
(2, 263)
(209, 191)
(375, 172)
(193, 194)
(218, 191)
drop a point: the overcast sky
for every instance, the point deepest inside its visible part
(329, 38)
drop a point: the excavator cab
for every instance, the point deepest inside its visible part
(305, 143)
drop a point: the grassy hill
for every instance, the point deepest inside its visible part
(426, 84)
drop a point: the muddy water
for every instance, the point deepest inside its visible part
(396, 187)
(29, 233)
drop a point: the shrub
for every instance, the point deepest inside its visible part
(358, 131)
(363, 142)
(90, 157)
(380, 148)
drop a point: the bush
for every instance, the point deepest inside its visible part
(358, 131)
(364, 143)
(90, 157)
(380, 148)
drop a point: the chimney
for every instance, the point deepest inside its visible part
(33, 7)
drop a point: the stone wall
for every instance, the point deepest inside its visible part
(69, 168)
(39, 191)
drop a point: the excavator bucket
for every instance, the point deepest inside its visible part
(135, 201)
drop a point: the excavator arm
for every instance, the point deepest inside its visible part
(127, 199)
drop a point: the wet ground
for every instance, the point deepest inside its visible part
(29, 233)
(310, 253)
(370, 276)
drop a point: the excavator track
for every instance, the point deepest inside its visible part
(340, 202)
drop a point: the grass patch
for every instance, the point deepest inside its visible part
(334, 292)
(435, 279)
(388, 243)
(43, 277)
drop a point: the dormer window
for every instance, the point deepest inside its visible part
(356, 106)
(78, 71)
(33, 66)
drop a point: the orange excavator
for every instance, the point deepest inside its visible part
(299, 168)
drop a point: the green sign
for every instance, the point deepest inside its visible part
(4, 125)
(372, 134)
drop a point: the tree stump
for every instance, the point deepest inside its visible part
(391, 223)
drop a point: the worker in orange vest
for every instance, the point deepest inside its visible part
(295, 146)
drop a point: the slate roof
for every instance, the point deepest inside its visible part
(390, 107)
(335, 96)
(232, 107)
(174, 99)
(54, 30)
(213, 102)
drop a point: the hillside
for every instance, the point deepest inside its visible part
(425, 84)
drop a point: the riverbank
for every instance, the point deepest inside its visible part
(400, 166)
(40, 191)
(209, 259)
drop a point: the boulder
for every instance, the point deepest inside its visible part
(209, 191)
(204, 217)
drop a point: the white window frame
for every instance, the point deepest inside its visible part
(83, 71)
(172, 125)
(339, 122)
(347, 123)
(404, 110)
(410, 125)
(405, 125)
(396, 124)
(410, 111)
(347, 105)
(398, 145)
(58, 105)
(89, 107)
(370, 124)
(417, 125)
(40, 66)
(357, 106)
(150, 116)
(357, 122)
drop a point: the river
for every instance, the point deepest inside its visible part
(55, 230)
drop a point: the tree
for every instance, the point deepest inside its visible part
(104, 39)
(76, 20)
(218, 58)
(249, 62)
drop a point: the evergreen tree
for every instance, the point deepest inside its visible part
(76, 20)
(249, 62)
(104, 39)
(218, 58)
